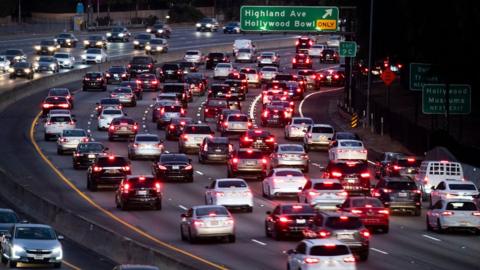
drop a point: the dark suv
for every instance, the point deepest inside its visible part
(247, 163)
(171, 71)
(176, 127)
(180, 89)
(107, 170)
(139, 191)
(86, 153)
(258, 139)
(94, 80)
(353, 175)
(214, 149)
(342, 226)
(173, 167)
(303, 44)
(214, 58)
(140, 65)
(116, 74)
(404, 166)
(399, 194)
(288, 219)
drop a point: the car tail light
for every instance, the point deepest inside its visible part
(161, 167)
(235, 160)
(270, 140)
(343, 193)
(336, 76)
(336, 174)
(247, 139)
(365, 175)
(477, 214)
(324, 234)
(447, 213)
(229, 221)
(126, 168)
(185, 137)
(384, 211)
(309, 260)
(265, 114)
(205, 148)
(63, 139)
(135, 127)
(64, 105)
(365, 233)
(138, 81)
(225, 124)
(111, 127)
(294, 60)
(154, 82)
(356, 211)
(206, 109)
(125, 188)
(284, 220)
(97, 168)
(396, 167)
(158, 187)
(264, 161)
(124, 75)
(247, 193)
(171, 127)
(387, 190)
(425, 180)
(230, 148)
(149, 65)
(349, 259)
(198, 223)
(219, 194)
(307, 61)
(135, 145)
(417, 191)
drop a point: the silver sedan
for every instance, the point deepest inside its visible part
(290, 155)
(145, 146)
(207, 221)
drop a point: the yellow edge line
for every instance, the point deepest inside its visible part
(108, 213)
(69, 265)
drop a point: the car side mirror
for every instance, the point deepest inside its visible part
(60, 237)
(183, 215)
(338, 206)
(7, 235)
(300, 188)
(268, 212)
(207, 187)
(291, 251)
(74, 120)
(125, 114)
(97, 103)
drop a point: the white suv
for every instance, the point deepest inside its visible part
(56, 123)
(231, 193)
(323, 193)
(318, 136)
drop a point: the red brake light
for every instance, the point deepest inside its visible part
(477, 214)
(284, 219)
(97, 169)
(126, 168)
(126, 188)
(365, 233)
(383, 211)
(264, 161)
(235, 160)
(265, 114)
(349, 259)
(356, 211)
(447, 213)
(271, 139)
(343, 218)
(172, 127)
(247, 139)
(410, 159)
(365, 175)
(158, 187)
(336, 174)
(309, 260)
(324, 234)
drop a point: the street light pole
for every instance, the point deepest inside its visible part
(98, 9)
(19, 11)
(369, 77)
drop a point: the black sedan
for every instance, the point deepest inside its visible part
(21, 69)
(94, 80)
(86, 153)
(288, 219)
(139, 190)
(173, 167)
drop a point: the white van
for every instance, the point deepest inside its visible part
(432, 172)
(243, 44)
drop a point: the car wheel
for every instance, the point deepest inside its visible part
(249, 209)
(306, 169)
(123, 206)
(385, 228)
(158, 205)
(439, 226)
(59, 151)
(182, 235)
(264, 194)
(418, 212)
(46, 137)
(429, 227)
(232, 238)
(276, 235)
(11, 264)
(200, 159)
(57, 265)
(363, 256)
(191, 239)
(4, 260)
(307, 148)
(269, 194)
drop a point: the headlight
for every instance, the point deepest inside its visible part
(84, 56)
(27, 70)
(50, 49)
(68, 40)
(52, 65)
(149, 30)
(198, 24)
(224, 28)
(121, 35)
(109, 34)
(67, 61)
(98, 57)
(99, 43)
(86, 42)
(159, 48)
(16, 250)
(148, 48)
(136, 42)
(209, 25)
(38, 48)
(160, 30)
(35, 65)
(18, 57)
(11, 70)
(58, 251)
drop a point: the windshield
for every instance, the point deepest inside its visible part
(61, 55)
(111, 112)
(231, 184)
(269, 69)
(58, 92)
(192, 53)
(47, 42)
(60, 119)
(144, 37)
(344, 223)
(123, 90)
(238, 118)
(64, 36)
(45, 59)
(173, 88)
(409, 162)
(327, 186)
(250, 155)
(211, 211)
(35, 233)
(95, 38)
(113, 101)
(156, 41)
(8, 217)
(141, 60)
(117, 69)
(112, 161)
(222, 65)
(244, 51)
(94, 51)
(116, 30)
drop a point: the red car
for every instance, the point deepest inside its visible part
(148, 82)
(370, 210)
(50, 103)
(258, 139)
(213, 107)
(301, 60)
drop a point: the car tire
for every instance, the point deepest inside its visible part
(191, 239)
(4, 260)
(306, 169)
(57, 265)
(59, 151)
(91, 186)
(267, 232)
(276, 235)
(427, 223)
(269, 194)
(307, 148)
(417, 212)
(123, 206)
(158, 205)
(264, 194)
(200, 159)
(439, 226)
(385, 228)
(182, 235)
(46, 137)
(363, 256)
(11, 264)
(232, 238)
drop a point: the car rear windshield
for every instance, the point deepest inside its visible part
(192, 53)
(123, 90)
(245, 51)
(156, 41)
(173, 88)
(281, 77)
(8, 217)
(302, 121)
(232, 183)
(114, 101)
(362, 202)
(117, 69)
(346, 136)
(215, 55)
(146, 182)
(217, 103)
(291, 148)
(461, 206)
(112, 112)
(94, 75)
(462, 187)
(211, 211)
(147, 139)
(93, 147)
(248, 71)
(344, 223)
(112, 161)
(58, 92)
(93, 51)
(74, 133)
(402, 185)
(172, 108)
(147, 77)
(141, 60)
(60, 55)
(334, 250)
(170, 67)
(322, 130)
(407, 163)
(306, 72)
(198, 129)
(269, 69)
(347, 168)
(238, 118)
(297, 209)
(173, 158)
(127, 121)
(351, 144)
(222, 65)
(56, 100)
(60, 119)
(47, 42)
(288, 173)
(250, 155)
(327, 186)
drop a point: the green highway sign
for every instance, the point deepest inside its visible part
(420, 75)
(434, 99)
(348, 49)
(289, 18)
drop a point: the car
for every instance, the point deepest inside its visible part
(236, 89)
(371, 211)
(47, 47)
(283, 182)
(268, 59)
(188, 67)
(141, 40)
(135, 267)
(148, 81)
(313, 254)
(86, 153)
(316, 50)
(219, 90)
(233, 193)
(94, 56)
(245, 55)
(56, 123)
(173, 167)
(139, 190)
(118, 33)
(145, 146)
(4, 64)
(213, 107)
(21, 69)
(192, 137)
(65, 60)
(108, 102)
(141, 64)
(94, 80)
(399, 194)
(15, 55)
(301, 60)
(274, 115)
(8, 218)
(267, 73)
(453, 214)
(312, 78)
(344, 135)
(108, 170)
(51, 103)
(347, 150)
(243, 44)
(404, 165)
(215, 58)
(258, 139)
(169, 112)
(329, 56)
(66, 40)
(222, 70)
(232, 28)
(180, 90)
(223, 115)
(432, 172)
(290, 155)
(171, 71)
(303, 43)
(342, 226)
(135, 88)
(214, 149)
(287, 219)
(235, 123)
(46, 63)
(253, 76)
(117, 74)
(20, 243)
(323, 193)
(156, 45)
(194, 56)
(332, 77)
(294, 90)
(162, 100)
(61, 92)
(334, 41)
(354, 175)
(176, 127)
(297, 127)
(285, 77)
(122, 127)
(70, 138)
(95, 41)
(207, 24)
(160, 30)
(197, 83)
(383, 162)
(454, 189)
(247, 163)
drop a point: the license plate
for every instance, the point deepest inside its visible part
(38, 257)
(329, 77)
(259, 141)
(214, 223)
(91, 156)
(198, 139)
(112, 171)
(275, 116)
(402, 194)
(351, 180)
(301, 221)
(115, 75)
(123, 128)
(141, 192)
(218, 150)
(251, 162)
(344, 236)
(175, 167)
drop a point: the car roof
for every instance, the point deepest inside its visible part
(322, 242)
(146, 135)
(136, 267)
(289, 144)
(208, 206)
(231, 179)
(321, 125)
(397, 179)
(455, 181)
(286, 170)
(137, 176)
(60, 114)
(5, 210)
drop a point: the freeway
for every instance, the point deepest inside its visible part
(406, 246)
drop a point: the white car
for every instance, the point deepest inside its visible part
(297, 127)
(145, 146)
(323, 193)
(70, 138)
(245, 55)
(194, 56)
(318, 136)
(222, 70)
(107, 115)
(321, 254)
(206, 221)
(268, 73)
(334, 41)
(231, 193)
(242, 44)
(252, 75)
(454, 189)
(283, 181)
(156, 45)
(268, 59)
(65, 60)
(56, 123)
(455, 214)
(316, 50)
(4, 63)
(347, 150)
(94, 56)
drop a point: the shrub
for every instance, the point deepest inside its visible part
(184, 13)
